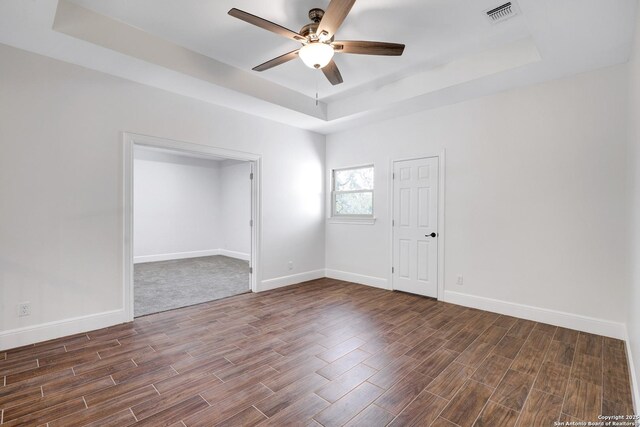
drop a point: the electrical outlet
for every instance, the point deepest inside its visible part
(24, 309)
(460, 280)
(290, 265)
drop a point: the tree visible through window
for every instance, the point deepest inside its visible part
(352, 192)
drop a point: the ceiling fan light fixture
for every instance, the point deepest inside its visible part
(316, 54)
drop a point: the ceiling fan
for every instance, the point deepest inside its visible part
(317, 38)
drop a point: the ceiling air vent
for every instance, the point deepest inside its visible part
(502, 13)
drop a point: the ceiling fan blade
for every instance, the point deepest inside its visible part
(368, 48)
(277, 61)
(332, 73)
(333, 17)
(267, 25)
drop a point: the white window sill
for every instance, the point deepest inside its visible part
(358, 221)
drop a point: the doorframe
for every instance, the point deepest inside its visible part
(441, 213)
(129, 141)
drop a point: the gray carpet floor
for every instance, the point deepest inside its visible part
(165, 285)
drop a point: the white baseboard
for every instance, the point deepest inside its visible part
(60, 328)
(177, 255)
(191, 254)
(543, 315)
(361, 279)
(635, 387)
(233, 254)
(279, 282)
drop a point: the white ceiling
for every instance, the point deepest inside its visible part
(192, 47)
(434, 32)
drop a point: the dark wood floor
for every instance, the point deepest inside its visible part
(322, 353)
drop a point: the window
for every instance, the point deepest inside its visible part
(352, 192)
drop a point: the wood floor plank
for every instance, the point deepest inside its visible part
(424, 410)
(447, 384)
(288, 395)
(51, 413)
(531, 355)
(492, 369)
(403, 392)
(589, 344)
(137, 383)
(560, 352)
(119, 419)
(505, 321)
(221, 391)
(567, 336)
(587, 368)
(44, 370)
(348, 406)
(494, 415)
(20, 397)
(105, 409)
(299, 413)
(475, 353)
(541, 410)
(521, 328)
(553, 378)
(173, 397)
(341, 349)
(545, 328)
(177, 412)
(513, 389)
(248, 418)
(394, 372)
(467, 404)
(461, 341)
(338, 367)
(227, 407)
(18, 411)
(306, 366)
(387, 355)
(372, 416)
(437, 362)
(345, 383)
(616, 408)
(493, 334)
(509, 346)
(583, 400)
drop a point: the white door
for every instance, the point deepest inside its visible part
(415, 226)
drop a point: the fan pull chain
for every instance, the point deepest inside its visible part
(317, 101)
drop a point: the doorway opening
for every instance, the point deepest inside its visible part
(189, 224)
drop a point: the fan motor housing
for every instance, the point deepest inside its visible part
(316, 15)
(310, 31)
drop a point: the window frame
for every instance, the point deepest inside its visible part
(334, 192)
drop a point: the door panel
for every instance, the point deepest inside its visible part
(415, 213)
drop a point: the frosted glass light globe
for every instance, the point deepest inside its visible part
(316, 54)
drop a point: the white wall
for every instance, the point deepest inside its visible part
(536, 194)
(235, 213)
(61, 189)
(177, 205)
(633, 322)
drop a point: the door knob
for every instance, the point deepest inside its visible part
(430, 235)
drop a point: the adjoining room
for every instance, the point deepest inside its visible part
(192, 229)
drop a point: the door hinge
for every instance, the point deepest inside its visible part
(250, 223)
(393, 175)
(393, 222)
(250, 270)
(393, 270)
(251, 175)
